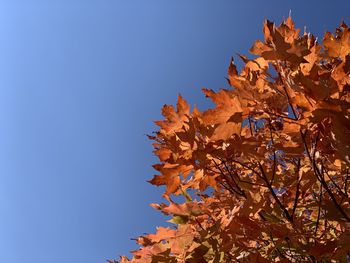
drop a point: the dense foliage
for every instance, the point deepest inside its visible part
(265, 173)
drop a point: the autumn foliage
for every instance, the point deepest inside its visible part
(265, 173)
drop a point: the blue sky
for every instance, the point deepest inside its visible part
(80, 83)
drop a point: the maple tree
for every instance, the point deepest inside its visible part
(265, 173)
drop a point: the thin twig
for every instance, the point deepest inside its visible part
(297, 193)
(319, 210)
(290, 219)
(320, 177)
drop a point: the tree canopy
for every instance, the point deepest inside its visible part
(265, 173)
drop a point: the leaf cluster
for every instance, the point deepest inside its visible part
(268, 166)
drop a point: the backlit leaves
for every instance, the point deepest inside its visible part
(265, 173)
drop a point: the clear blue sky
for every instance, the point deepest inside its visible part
(80, 83)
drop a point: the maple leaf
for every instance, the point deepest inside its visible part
(227, 116)
(338, 45)
(174, 119)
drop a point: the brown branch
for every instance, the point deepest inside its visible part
(286, 118)
(319, 210)
(240, 180)
(297, 193)
(228, 188)
(335, 184)
(247, 167)
(346, 182)
(246, 182)
(274, 156)
(277, 249)
(232, 176)
(238, 190)
(199, 223)
(320, 177)
(250, 125)
(290, 219)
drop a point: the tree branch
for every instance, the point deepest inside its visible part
(290, 219)
(320, 177)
